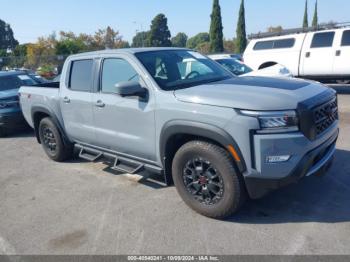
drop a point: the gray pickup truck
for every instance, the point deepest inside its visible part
(218, 137)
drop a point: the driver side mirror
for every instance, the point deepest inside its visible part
(130, 88)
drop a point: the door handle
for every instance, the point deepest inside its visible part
(99, 103)
(338, 53)
(66, 100)
(307, 54)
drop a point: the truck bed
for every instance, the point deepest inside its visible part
(42, 95)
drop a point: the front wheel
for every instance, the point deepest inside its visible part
(52, 142)
(207, 180)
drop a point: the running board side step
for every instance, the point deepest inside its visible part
(89, 154)
(120, 162)
(123, 165)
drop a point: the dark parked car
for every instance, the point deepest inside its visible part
(10, 112)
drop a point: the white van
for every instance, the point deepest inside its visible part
(315, 54)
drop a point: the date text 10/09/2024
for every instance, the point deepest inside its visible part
(173, 258)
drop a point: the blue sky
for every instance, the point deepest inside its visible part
(31, 19)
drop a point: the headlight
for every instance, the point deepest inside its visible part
(274, 121)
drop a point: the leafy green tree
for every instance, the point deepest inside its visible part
(315, 18)
(198, 39)
(216, 34)
(203, 48)
(107, 38)
(241, 42)
(140, 39)
(69, 46)
(159, 34)
(179, 40)
(18, 56)
(122, 44)
(306, 20)
(41, 52)
(7, 39)
(20, 50)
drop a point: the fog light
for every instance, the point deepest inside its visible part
(277, 159)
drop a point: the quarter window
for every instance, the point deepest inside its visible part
(322, 40)
(116, 71)
(284, 43)
(345, 41)
(81, 75)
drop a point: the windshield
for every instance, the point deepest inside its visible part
(15, 82)
(235, 66)
(175, 69)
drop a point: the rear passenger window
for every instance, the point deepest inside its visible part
(275, 44)
(263, 45)
(345, 41)
(116, 71)
(81, 75)
(322, 40)
(9, 82)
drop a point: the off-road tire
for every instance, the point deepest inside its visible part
(234, 192)
(58, 152)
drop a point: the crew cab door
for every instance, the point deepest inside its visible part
(342, 54)
(318, 54)
(76, 100)
(124, 124)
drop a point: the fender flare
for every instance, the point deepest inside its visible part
(52, 115)
(199, 129)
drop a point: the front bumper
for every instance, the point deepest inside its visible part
(314, 162)
(12, 120)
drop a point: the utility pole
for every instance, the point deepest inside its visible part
(140, 31)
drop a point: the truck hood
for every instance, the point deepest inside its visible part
(252, 93)
(8, 93)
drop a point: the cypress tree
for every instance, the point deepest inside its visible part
(241, 43)
(305, 20)
(216, 34)
(159, 34)
(315, 19)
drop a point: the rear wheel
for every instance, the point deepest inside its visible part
(52, 142)
(207, 180)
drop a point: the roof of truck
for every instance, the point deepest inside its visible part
(293, 31)
(130, 50)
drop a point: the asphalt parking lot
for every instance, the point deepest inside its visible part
(81, 208)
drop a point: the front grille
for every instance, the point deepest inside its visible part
(325, 115)
(317, 114)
